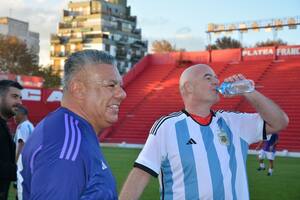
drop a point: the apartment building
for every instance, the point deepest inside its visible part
(98, 24)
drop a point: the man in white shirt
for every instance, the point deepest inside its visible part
(24, 129)
(199, 153)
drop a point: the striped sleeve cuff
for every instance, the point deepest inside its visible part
(146, 169)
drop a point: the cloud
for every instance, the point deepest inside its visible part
(7, 5)
(183, 30)
(156, 21)
(187, 42)
(40, 1)
(42, 15)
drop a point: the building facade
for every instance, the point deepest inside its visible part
(98, 24)
(20, 29)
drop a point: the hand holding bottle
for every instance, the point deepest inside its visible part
(236, 85)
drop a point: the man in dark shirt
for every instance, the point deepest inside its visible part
(10, 99)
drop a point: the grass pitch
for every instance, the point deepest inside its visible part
(284, 184)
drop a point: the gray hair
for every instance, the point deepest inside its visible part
(79, 60)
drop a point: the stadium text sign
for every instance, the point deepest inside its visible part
(258, 52)
(288, 51)
(284, 51)
(41, 95)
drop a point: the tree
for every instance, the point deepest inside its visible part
(16, 58)
(225, 43)
(212, 47)
(270, 43)
(162, 46)
(51, 78)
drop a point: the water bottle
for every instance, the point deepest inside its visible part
(237, 87)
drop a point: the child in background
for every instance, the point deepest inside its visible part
(268, 150)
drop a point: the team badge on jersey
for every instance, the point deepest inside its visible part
(223, 138)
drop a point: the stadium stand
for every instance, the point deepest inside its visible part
(152, 88)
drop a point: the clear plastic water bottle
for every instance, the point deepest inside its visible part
(237, 87)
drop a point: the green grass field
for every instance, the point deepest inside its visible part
(283, 185)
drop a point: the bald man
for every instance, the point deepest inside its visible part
(199, 153)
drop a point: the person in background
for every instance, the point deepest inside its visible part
(24, 129)
(62, 159)
(268, 151)
(199, 153)
(10, 99)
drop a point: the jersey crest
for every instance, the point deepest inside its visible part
(223, 138)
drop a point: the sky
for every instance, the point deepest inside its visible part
(183, 23)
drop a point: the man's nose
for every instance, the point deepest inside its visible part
(121, 93)
(216, 81)
(19, 100)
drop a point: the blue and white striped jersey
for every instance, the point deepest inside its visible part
(62, 160)
(197, 161)
(23, 132)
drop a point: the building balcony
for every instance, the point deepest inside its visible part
(132, 19)
(75, 40)
(67, 13)
(121, 54)
(59, 40)
(137, 31)
(55, 39)
(59, 54)
(92, 40)
(140, 44)
(135, 58)
(78, 25)
(64, 25)
(123, 41)
(95, 12)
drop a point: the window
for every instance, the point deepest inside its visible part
(107, 47)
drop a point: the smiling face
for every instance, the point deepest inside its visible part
(9, 102)
(103, 95)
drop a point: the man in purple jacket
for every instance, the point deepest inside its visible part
(62, 159)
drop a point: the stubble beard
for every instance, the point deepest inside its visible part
(7, 111)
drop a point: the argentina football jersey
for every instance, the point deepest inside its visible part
(63, 160)
(197, 161)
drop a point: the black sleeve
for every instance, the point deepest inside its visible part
(8, 167)
(8, 171)
(264, 131)
(146, 169)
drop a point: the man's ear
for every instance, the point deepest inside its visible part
(188, 87)
(77, 89)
